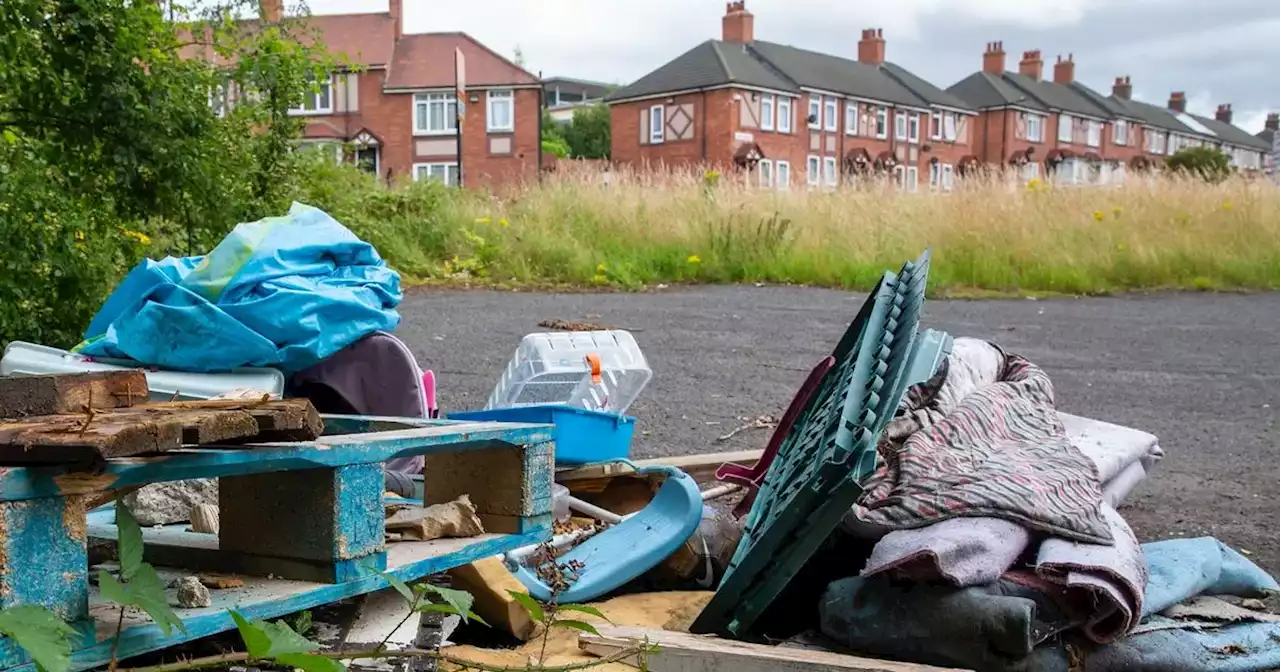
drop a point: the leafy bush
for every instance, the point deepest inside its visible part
(1206, 162)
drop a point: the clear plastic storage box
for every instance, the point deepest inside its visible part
(557, 368)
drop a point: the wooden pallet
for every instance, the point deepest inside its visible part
(309, 515)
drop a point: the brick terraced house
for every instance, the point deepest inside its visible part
(786, 116)
(397, 116)
(1061, 129)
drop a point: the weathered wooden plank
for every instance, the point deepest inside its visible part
(44, 555)
(682, 652)
(63, 393)
(327, 451)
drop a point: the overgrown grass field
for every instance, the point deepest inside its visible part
(991, 236)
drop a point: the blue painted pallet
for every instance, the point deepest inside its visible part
(817, 472)
(308, 513)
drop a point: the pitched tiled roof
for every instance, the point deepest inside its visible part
(1111, 106)
(425, 61)
(1232, 134)
(366, 39)
(924, 89)
(1152, 115)
(838, 75)
(1058, 97)
(983, 90)
(712, 63)
(1267, 136)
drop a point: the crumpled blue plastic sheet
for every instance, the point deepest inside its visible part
(283, 292)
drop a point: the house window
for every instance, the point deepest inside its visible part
(1031, 171)
(815, 111)
(367, 159)
(811, 171)
(935, 125)
(851, 119)
(1064, 128)
(766, 112)
(784, 115)
(949, 127)
(657, 121)
(899, 176)
(882, 122)
(948, 177)
(446, 173)
(501, 111)
(900, 126)
(1120, 132)
(766, 173)
(316, 100)
(913, 178)
(935, 175)
(913, 127)
(1035, 128)
(1095, 133)
(832, 120)
(829, 175)
(784, 175)
(219, 102)
(435, 113)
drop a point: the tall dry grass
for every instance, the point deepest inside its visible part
(628, 229)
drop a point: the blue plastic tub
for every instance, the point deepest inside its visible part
(582, 436)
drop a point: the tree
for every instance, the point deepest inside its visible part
(1208, 163)
(588, 135)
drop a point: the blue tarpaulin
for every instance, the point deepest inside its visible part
(283, 292)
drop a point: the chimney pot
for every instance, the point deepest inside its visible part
(1224, 113)
(1031, 64)
(993, 58)
(871, 47)
(1122, 89)
(1064, 71)
(1273, 122)
(396, 9)
(1178, 101)
(738, 25)
(272, 11)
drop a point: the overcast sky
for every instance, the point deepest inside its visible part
(1224, 51)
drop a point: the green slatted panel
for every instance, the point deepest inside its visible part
(815, 477)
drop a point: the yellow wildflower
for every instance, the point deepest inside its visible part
(1226, 205)
(1033, 184)
(711, 174)
(79, 235)
(1099, 215)
(694, 259)
(503, 222)
(1117, 211)
(600, 269)
(139, 236)
(483, 220)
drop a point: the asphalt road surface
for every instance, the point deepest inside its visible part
(1200, 371)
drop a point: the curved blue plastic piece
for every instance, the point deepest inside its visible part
(621, 553)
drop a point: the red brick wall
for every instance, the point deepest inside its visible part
(480, 167)
(627, 148)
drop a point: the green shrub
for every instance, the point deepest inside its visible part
(1205, 162)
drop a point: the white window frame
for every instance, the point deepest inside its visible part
(830, 114)
(882, 122)
(935, 125)
(813, 170)
(913, 179)
(1038, 122)
(900, 176)
(497, 97)
(1065, 126)
(1094, 131)
(765, 168)
(445, 100)
(948, 177)
(851, 118)
(785, 114)
(314, 98)
(815, 111)
(1031, 171)
(1120, 132)
(935, 176)
(783, 176)
(442, 165)
(913, 127)
(950, 126)
(658, 132)
(766, 112)
(830, 176)
(900, 125)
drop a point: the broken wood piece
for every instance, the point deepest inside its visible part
(204, 518)
(490, 583)
(452, 519)
(221, 581)
(66, 393)
(682, 652)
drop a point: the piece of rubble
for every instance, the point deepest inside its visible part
(192, 594)
(168, 503)
(221, 581)
(204, 518)
(451, 519)
(1254, 604)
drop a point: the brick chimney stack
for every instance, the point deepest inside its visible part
(396, 9)
(1273, 122)
(738, 25)
(1178, 101)
(1031, 64)
(993, 58)
(1123, 88)
(1224, 113)
(1064, 72)
(272, 11)
(871, 46)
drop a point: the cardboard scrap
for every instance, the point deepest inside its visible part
(221, 581)
(451, 519)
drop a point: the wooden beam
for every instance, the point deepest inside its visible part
(682, 652)
(61, 393)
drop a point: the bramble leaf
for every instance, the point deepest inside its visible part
(269, 640)
(128, 541)
(575, 625)
(44, 636)
(584, 608)
(146, 591)
(460, 600)
(530, 605)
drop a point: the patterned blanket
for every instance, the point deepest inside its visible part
(984, 439)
